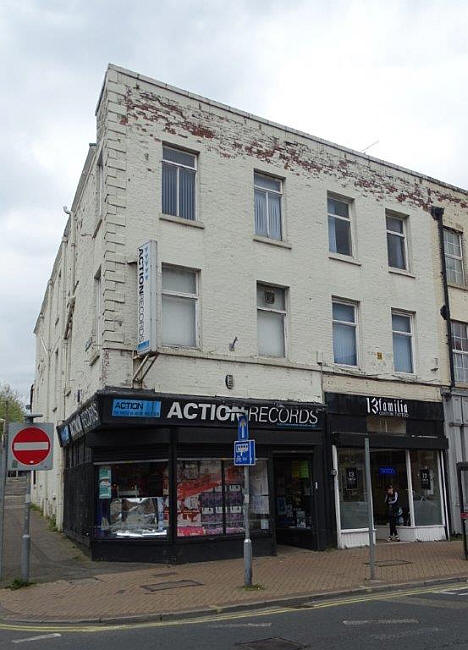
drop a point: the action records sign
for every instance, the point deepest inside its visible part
(30, 446)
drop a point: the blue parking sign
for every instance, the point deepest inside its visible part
(244, 452)
(242, 428)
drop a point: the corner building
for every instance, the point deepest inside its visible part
(215, 263)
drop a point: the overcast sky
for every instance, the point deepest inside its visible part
(350, 71)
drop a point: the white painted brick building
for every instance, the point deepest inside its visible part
(331, 199)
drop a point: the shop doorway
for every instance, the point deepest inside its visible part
(295, 508)
(388, 467)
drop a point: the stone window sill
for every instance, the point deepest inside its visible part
(454, 285)
(182, 222)
(272, 242)
(401, 272)
(344, 258)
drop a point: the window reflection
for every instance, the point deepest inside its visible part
(133, 500)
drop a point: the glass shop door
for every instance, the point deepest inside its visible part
(295, 511)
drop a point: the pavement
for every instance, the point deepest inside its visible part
(70, 587)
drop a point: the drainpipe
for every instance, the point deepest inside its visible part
(438, 214)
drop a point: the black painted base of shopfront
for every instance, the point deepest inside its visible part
(193, 550)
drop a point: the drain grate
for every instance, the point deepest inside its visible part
(175, 584)
(390, 562)
(274, 643)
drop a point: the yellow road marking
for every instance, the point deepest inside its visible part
(213, 618)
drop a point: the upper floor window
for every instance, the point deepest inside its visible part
(453, 256)
(267, 206)
(396, 242)
(344, 333)
(460, 350)
(402, 342)
(339, 227)
(271, 321)
(179, 306)
(178, 183)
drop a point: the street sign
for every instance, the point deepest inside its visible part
(30, 446)
(244, 452)
(243, 428)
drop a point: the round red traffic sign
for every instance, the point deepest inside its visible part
(30, 446)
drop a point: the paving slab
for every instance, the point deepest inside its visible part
(212, 586)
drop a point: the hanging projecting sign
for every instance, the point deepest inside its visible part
(146, 298)
(30, 446)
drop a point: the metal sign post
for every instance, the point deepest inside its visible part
(247, 540)
(3, 475)
(30, 447)
(26, 540)
(244, 455)
(370, 510)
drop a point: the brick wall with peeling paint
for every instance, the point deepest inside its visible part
(135, 116)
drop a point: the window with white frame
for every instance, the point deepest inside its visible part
(344, 332)
(453, 256)
(179, 306)
(100, 187)
(267, 200)
(396, 241)
(271, 321)
(339, 226)
(98, 306)
(402, 342)
(178, 183)
(460, 350)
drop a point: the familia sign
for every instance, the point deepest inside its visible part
(387, 406)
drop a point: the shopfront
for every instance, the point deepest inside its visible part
(150, 477)
(407, 446)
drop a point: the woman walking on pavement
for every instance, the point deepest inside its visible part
(391, 499)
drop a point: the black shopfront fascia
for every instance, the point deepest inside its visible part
(348, 422)
(110, 438)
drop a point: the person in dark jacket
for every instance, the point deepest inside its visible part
(393, 506)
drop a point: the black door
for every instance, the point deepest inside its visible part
(295, 510)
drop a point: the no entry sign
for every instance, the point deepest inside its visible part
(30, 446)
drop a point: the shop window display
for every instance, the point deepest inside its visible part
(426, 488)
(133, 500)
(353, 503)
(203, 508)
(199, 498)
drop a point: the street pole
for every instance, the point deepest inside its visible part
(26, 540)
(3, 474)
(370, 510)
(247, 540)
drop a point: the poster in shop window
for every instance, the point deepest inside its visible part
(425, 478)
(105, 482)
(351, 478)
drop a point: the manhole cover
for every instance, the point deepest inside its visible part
(275, 643)
(175, 584)
(390, 562)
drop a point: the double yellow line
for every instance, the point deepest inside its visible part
(215, 618)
